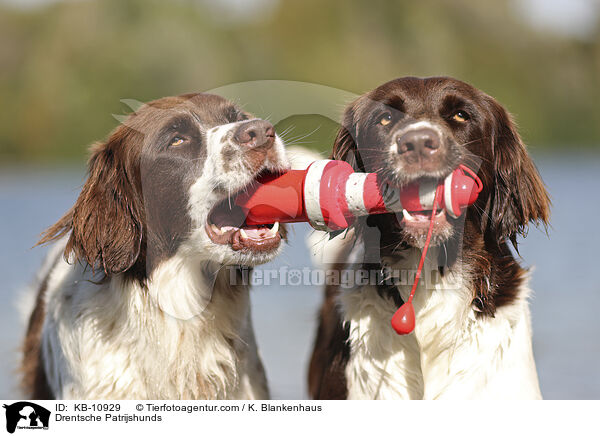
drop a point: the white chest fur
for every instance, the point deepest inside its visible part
(113, 340)
(451, 354)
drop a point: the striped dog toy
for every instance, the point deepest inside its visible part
(329, 195)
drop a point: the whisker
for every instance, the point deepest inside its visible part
(287, 130)
(300, 142)
(305, 135)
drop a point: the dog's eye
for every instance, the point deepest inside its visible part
(385, 119)
(460, 116)
(176, 141)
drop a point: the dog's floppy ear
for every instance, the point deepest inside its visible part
(518, 195)
(344, 146)
(106, 221)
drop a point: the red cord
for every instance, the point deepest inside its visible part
(426, 246)
(430, 231)
(473, 174)
(403, 321)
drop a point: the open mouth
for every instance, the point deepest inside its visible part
(415, 226)
(226, 225)
(417, 222)
(421, 219)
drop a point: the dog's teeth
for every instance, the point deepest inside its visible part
(216, 229)
(243, 234)
(407, 216)
(273, 231)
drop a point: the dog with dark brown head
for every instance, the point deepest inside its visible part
(141, 296)
(472, 337)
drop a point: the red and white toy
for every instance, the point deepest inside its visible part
(329, 195)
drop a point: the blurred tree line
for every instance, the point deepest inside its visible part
(64, 67)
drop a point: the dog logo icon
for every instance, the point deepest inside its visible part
(26, 415)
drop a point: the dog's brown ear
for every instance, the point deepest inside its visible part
(518, 195)
(105, 224)
(344, 146)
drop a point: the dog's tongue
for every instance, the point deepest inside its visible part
(256, 232)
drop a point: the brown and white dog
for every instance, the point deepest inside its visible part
(473, 336)
(134, 300)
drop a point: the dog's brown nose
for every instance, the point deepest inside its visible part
(424, 142)
(255, 133)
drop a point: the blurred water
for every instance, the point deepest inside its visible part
(565, 306)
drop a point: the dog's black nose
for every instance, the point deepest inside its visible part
(255, 133)
(424, 142)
